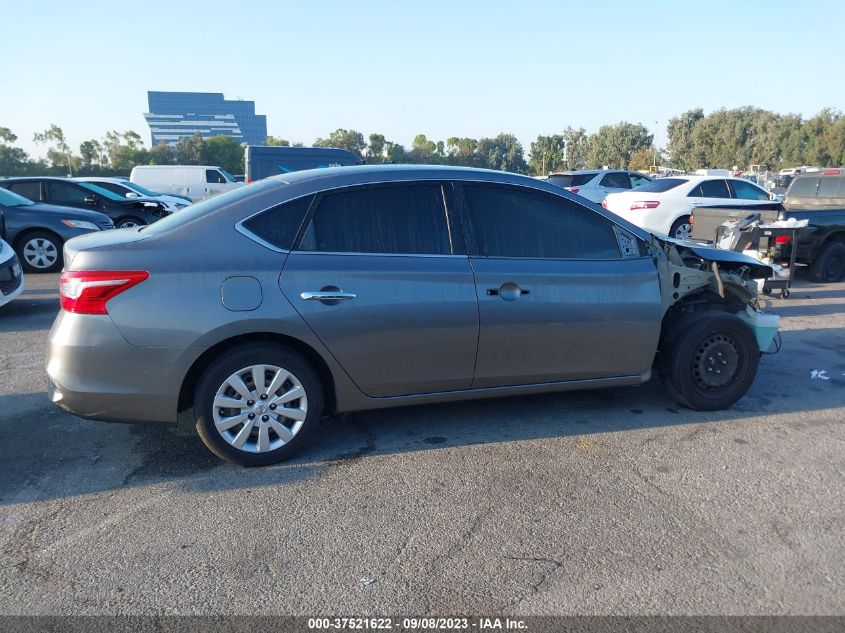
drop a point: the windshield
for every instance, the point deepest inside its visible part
(142, 190)
(11, 199)
(199, 209)
(662, 184)
(102, 192)
(570, 180)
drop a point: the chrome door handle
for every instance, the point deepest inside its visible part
(327, 295)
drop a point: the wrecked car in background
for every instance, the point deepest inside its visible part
(307, 294)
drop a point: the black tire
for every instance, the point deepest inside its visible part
(238, 359)
(695, 352)
(829, 264)
(677, 224)
(123, 223)
(50, 242)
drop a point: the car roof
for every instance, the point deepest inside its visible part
(113, 179)
(362, 174)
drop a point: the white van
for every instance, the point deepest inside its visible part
(197, 182)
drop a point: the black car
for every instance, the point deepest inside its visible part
(124, 212)
(38, 231)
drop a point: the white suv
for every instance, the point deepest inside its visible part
(595, 184)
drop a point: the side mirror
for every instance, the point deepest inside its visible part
(132, 194)
(773, 196)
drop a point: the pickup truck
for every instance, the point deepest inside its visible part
(818, 197)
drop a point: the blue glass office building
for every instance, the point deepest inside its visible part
(175, 115)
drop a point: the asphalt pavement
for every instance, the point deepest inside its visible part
(603, 502)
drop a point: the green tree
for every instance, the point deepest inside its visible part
(188, 150)
(278, 142)
(644, 158)
(91, 153)
(423, 150)
(223, 151)
(59, 152)
(161, 154)
(124, 150)
(577, 144)
(13, 160)
(462, 151)
(547, 154)
(395, 152)
(682, 153)
(504, 152)
(350, 140)
(613, 145)
(377, 147)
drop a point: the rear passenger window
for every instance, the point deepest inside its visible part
(514, 222)
(406, 219)
(617, 180)
(801, 187)
(711, 189)
(31, 190)
(638, 180)
(278, 226)
(830, 187)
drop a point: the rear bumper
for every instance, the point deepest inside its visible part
(94, 373)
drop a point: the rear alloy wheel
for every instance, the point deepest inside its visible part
(709, 360)
(829, 264)
(41, 252)
(129, 223)
(681, 229)
(258, 405)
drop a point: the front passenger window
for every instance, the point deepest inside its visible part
(212, 176)
(516, 222)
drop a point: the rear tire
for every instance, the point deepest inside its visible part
(40, 252)
(681, 229)
(708, 361)
(829, 264)
(263, 423)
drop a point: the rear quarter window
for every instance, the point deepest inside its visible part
(278, 226)
(803, 188)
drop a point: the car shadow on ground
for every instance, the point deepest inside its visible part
(28, 314)
(48, 454)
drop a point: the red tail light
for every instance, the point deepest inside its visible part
(248, 180)
(832, 172)
(644, 204)
(782, 239)
(572, 189)
(604, 204)
(87, 292)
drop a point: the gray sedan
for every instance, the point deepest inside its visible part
(330, 290)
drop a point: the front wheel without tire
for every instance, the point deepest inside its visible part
(258, 404)
(708, 361)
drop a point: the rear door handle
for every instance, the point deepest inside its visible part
(327, 295)
(509, 291)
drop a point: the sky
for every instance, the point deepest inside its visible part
(405, 67)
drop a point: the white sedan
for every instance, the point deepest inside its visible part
(11, 276)
(664, 206)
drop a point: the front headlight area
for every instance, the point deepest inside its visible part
(81, 224)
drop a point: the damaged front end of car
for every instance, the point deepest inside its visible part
(695, 278)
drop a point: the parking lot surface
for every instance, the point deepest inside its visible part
(604, 502)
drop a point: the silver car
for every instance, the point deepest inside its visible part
(264, 309)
